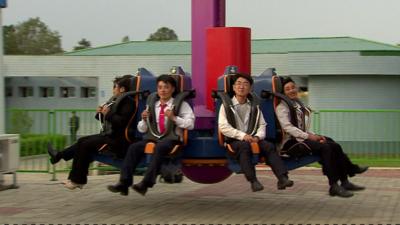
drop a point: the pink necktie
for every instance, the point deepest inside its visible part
(161, 118)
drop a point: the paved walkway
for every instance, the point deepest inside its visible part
(40, 201)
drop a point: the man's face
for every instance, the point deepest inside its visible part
(165, 90)
(241, 87)
(290, 90)
(117, 90)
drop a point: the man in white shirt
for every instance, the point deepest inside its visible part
(166, 86)
(240, 138)
(336, 165)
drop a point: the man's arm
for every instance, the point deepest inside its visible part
(226, 129)
(262, 126)
(282, 112)
(186, 117)
(121, 116)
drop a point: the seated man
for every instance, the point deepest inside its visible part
(120, 143)
(162, 116)
(240, 135)
(115, 116)
(336, 165)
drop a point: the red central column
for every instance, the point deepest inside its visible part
(226, 46)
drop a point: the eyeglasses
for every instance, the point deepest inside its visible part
(244, 84)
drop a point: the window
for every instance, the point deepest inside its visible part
(67, 92)
(88, 92)
(9, 91)
(46, 92)
(25, 92)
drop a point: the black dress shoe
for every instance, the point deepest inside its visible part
(55, 155)
(284, 182)
(351, 187)
(140, 188)
(361, 169)
(121, 188)
(336, 190)
(256, 186)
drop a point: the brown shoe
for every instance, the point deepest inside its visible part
(119, 188)
(283, 183)
(71, 185)
(351, 187)
(336, 190)
(256, 186)
(140, 188)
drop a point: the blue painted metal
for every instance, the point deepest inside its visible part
(3, 3)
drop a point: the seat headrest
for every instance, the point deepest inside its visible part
(277, 84)
(229, 80)
(179, 82)
(135, 83)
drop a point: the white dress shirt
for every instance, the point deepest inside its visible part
(184, 120)
(283, 114)
(242, 123)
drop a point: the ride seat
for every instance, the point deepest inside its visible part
(228, 93)
(278, 96)
(180, 92)
(142, 78)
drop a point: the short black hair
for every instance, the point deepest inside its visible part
(124, 81)
(168, 79)
(243, 75)
(286, 80)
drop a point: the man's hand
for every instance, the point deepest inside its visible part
(145, 114)
(170, 114)
(248, 138)
(99, 108)
(317, 138)
(105, 110)
(255, 139)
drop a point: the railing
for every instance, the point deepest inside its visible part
(365, 133)
(40, 126)
(362, 133)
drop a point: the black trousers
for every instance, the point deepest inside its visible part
(117, 146)
(336, 165)
(82, 156)
(244, 155)
(82, 152)
(135, 154)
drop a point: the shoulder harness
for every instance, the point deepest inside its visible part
(230, 111)
(153, 134)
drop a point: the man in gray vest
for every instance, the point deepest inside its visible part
(235, 123)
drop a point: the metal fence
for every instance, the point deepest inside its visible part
(362, 133)
(40, 126)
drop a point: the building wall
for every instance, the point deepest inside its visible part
(53, 102)
(353, 124)
(103, 67)
(342, 63)
(354, 92)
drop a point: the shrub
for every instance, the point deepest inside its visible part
(36, 144)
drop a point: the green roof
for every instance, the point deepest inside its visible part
(258, 46)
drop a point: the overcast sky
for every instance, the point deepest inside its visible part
(105, 22)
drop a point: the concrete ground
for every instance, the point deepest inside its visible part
(41, 201)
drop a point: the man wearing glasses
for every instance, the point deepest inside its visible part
(240, 138)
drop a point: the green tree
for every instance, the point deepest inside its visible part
(10, 40)
(125, 39)
(83, 44)
(163, 34)
(31, 37)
